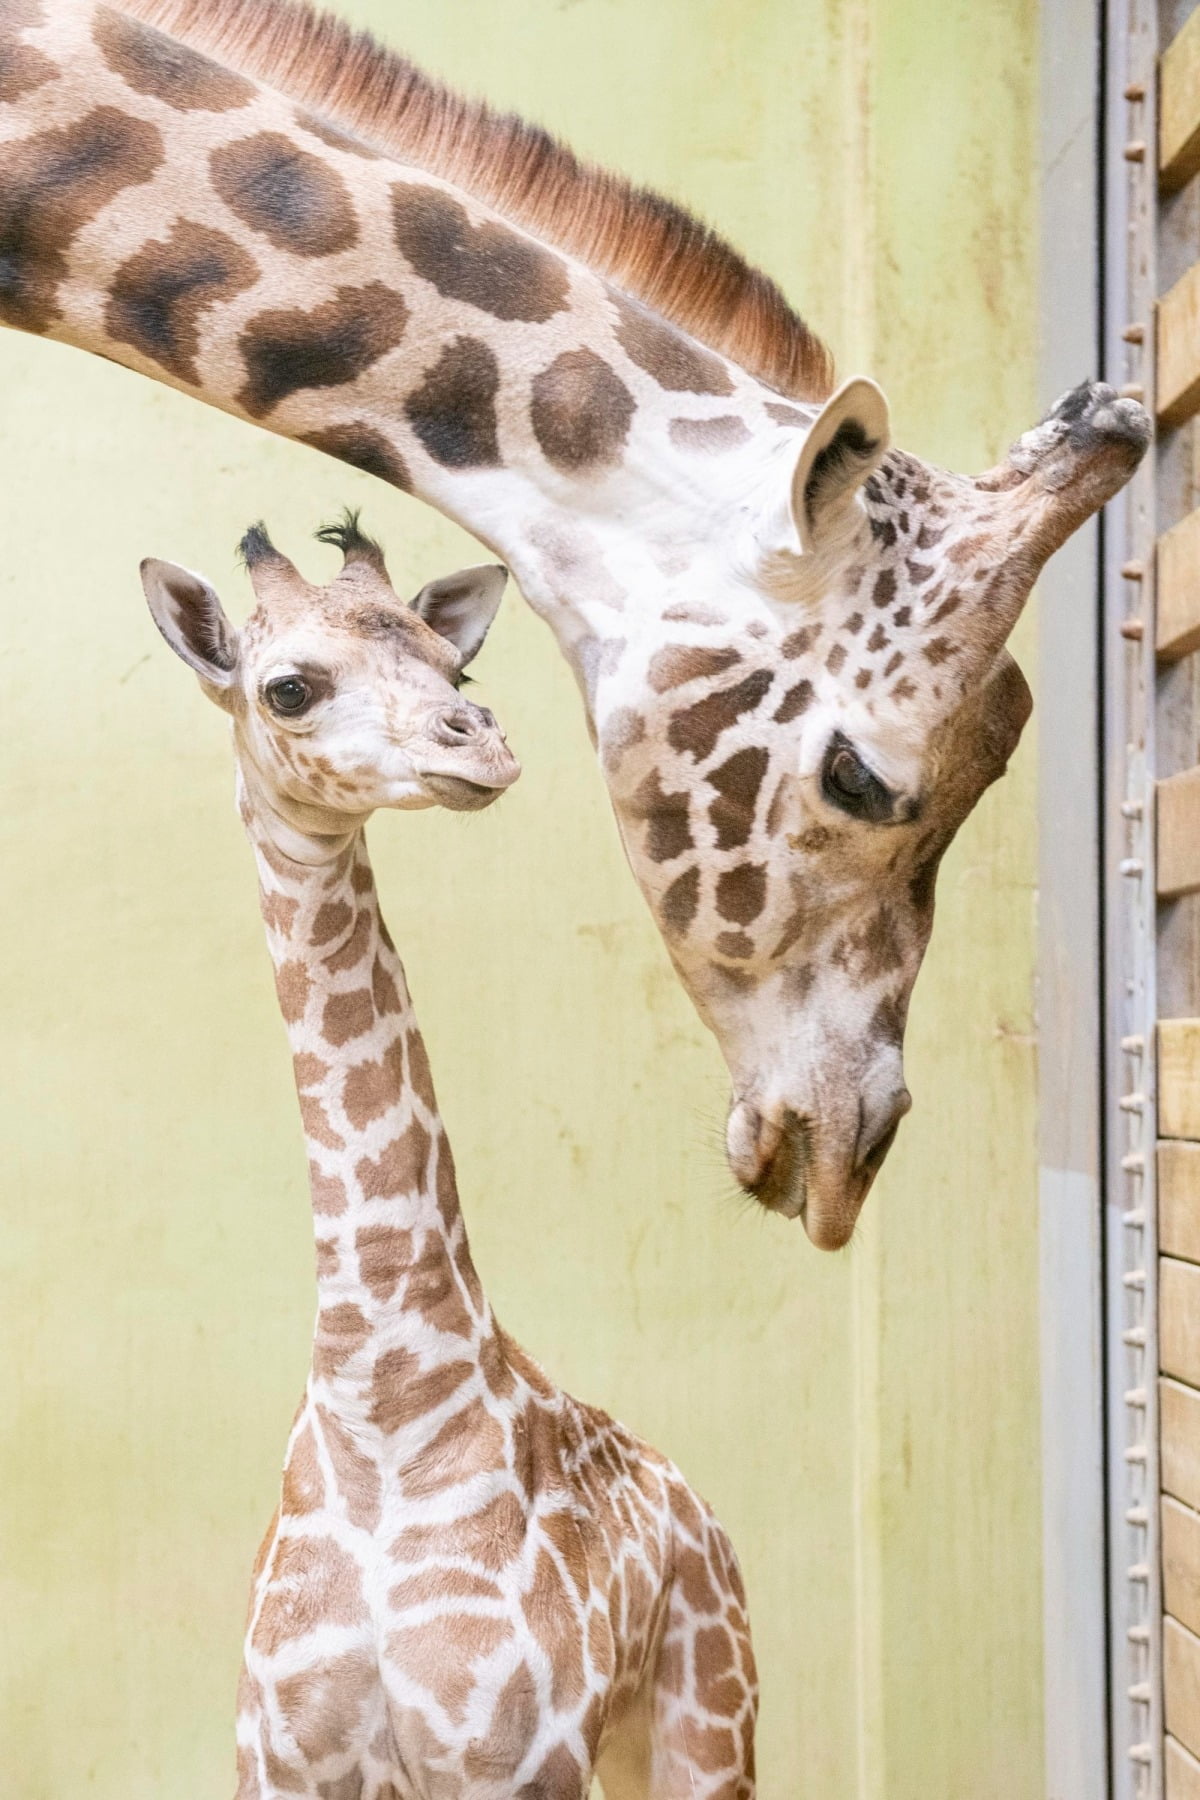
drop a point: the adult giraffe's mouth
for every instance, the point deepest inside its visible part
(778, 1161)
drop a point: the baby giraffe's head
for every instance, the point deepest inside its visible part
(343, 698)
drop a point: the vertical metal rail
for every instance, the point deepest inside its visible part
(1130, 284)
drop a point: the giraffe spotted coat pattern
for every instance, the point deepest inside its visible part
(788, 635)
(474, 1584)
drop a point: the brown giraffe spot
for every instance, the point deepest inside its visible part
(317, 1127)
(623, 730)
(354, 949)
(713, 435)
(872, 949)
(742, 892)
(863, 678)
(966, 549)
(514, 1725)
(285, 1779)
(878, 639)
(418, 1071)
(327, 1258)
(433, 1289)
(671, 666)
(735, 944)
(303, 1483)
(347, 1016)
(799, 643)
(151, 63)
(668, 831)
(929, 536)
(902, 615)
(336, 136)
(430, 1587)
(340, 1334)
(322, 1707)
(442, 1657)
(289, 350)
(328, 1191)
(400, 1167)
(453, 411)
(677, 908)
(919, 573)
(675, 361)
(384, 991)
(559, 1777)
(565, 1532)
(904, 690)
(591, 1726)
(854, 624)
(363, 448)
(402, 1391)
(939, 650)
(22, 68)
(685, 613)
(356, 1475)
(309, 1070)
(719, 1687)
(279, 912)
(949, 605)
(488, 265)
(695, 1581)
(835, 659)
(384, 1253)
(51, 186)
(331, 922)
(292, 198)
(371, 1088)
(885, 588)
(492, 1536)
(347, 1787)
(248, 1785)
(737, 782)
(787, 415)
(553, 1618)
(797, 700)
(312, 1582)
(697, 728)
(893, 663)
(712, 1747)
(580, 411)
(469, 1443)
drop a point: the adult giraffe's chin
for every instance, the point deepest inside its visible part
(790, 638)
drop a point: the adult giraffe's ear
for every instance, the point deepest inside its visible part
(848, 439)
(461, 607)
(189, 615)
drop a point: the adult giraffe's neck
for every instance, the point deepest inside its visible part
(178, 217)
(399, 1298)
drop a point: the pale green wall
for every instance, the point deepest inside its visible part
(866, 1424)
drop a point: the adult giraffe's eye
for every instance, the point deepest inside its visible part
(848, 784)
(288, 696)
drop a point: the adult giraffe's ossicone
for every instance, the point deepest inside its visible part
(789, 637)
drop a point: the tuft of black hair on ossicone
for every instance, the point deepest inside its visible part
(256, 546)
(348, 536)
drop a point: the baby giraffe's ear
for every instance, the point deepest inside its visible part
(461, 607)
(190, 617)
(847, 441)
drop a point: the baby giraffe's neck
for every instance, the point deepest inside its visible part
(402, 1318)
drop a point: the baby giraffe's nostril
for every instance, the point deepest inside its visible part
(456, 725)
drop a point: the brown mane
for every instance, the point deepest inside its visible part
(647, 245)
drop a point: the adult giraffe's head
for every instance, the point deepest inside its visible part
(792, 746)
(343, 699)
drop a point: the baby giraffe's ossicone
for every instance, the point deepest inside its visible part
(475, 1587)
(343, 698)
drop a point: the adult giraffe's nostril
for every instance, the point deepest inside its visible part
(877, 1132)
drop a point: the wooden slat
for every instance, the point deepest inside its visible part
(1181, 1683)
(1182, 1771)
(1179, 1199)
(1179, 1320)
(1179, 107)
(1177, 583)
(1179, 1448)
(1178, 393)
(1181, 1563)
(1179, 1078)
(1179, 834)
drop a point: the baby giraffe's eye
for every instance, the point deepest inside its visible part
(288, 696)
(848, 784)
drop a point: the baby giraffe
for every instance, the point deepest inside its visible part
(474, 1586)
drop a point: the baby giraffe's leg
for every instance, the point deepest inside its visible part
(690, 1733)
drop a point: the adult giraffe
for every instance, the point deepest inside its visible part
(789, 637)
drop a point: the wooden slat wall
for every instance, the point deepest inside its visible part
(1177, 636)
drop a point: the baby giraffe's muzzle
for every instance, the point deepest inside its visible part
(471, 764)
